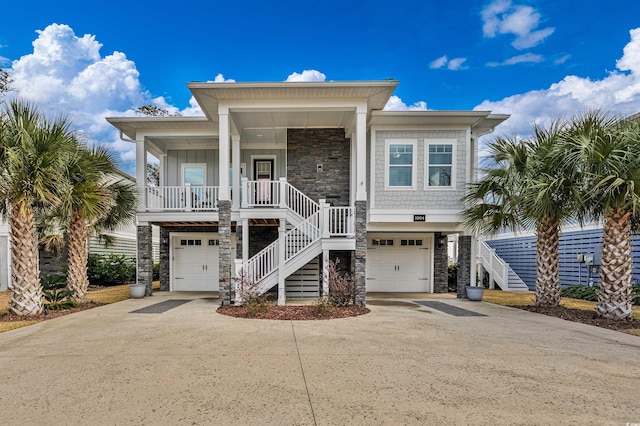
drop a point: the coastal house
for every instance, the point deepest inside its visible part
(276, 179)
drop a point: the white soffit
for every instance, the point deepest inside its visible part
(131, 126)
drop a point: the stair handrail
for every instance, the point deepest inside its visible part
(498, 269)
(300, 203)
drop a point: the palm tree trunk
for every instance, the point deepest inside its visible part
(547, 261)
(77, 279)
(26, 293)
(614, 292)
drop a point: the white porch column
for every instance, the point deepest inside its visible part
(245, 241)
(223, 143)
(141, 173)
(235, 158)
(282, 230)
(162, 171)
(361, 153)
(353, 166)
(325, 273)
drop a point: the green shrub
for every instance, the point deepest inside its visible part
(114, 269)
(452, 278)
(581, 292)
(156, 271)
(55, 292)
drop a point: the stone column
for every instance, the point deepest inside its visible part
(224, 261)
(440, 264)
(145, 258)
(361, 252)
(464, 265)
(164, 259)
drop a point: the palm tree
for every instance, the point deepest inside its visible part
(95, 201)
(607, 152)
(33, 151)
(521, 189)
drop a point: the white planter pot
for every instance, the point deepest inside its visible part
(137, 290)
(474, 293)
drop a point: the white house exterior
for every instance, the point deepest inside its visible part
(278, 178)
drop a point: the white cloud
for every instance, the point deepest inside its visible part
(307, 75)
(220, 79)
(454, 64)
(4, 61)
(519, 59)
(617, 93)
(66, 74)
(396, 104)
(561, 60)
(438, 63)
(502, 17)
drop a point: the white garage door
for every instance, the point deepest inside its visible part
(195, 262)
(398, 263)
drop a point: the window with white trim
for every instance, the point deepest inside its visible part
(440, 165)
(400, 163)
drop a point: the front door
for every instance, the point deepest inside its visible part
(263, 173)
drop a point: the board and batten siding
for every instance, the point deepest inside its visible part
(280, 160)
(176, 158)
(520, 254)
(420, 197)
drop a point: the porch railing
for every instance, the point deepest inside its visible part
(181, 198)
(339, 221)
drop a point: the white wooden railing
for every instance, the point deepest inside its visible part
(338, 221)
(261, 193)
(498, 270)
(265, 262)
(181, 198)
(299, 203)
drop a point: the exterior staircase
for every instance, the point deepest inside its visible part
(308, 223)
(500, 273)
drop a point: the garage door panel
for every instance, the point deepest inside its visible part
(195, 263)
(396, 268)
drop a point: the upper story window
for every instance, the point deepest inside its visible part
(440, 165)
(400, 164)
(194, 174)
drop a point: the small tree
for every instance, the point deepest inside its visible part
(249, 294)
(342, 287)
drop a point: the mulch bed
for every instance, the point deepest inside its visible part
(8, 317)
(294, 313)
(584, 317)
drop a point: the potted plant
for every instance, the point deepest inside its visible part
(475, 293)
(137, 290)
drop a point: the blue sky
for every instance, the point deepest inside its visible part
(532, 59)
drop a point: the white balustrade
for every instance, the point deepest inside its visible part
(181, 198)
(341, 221)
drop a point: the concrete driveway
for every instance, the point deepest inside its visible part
(400, 364)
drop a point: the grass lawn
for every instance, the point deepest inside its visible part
(507, 298)
(105, 295)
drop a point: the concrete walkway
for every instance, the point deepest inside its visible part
(400, 364)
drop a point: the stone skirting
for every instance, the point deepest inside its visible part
(360, 268)
(464, 265)
(440, 264)
(145, 259)
(224, 234)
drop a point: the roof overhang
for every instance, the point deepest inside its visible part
(480, 122)
(210, 95)
(132, 127)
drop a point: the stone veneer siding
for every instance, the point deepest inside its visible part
(464, 265)
(440, 265)
(145, 259)
(360, 267)
(260, 237)
(164, 248)
(224, 234)
(420, 197)
(306, 148)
